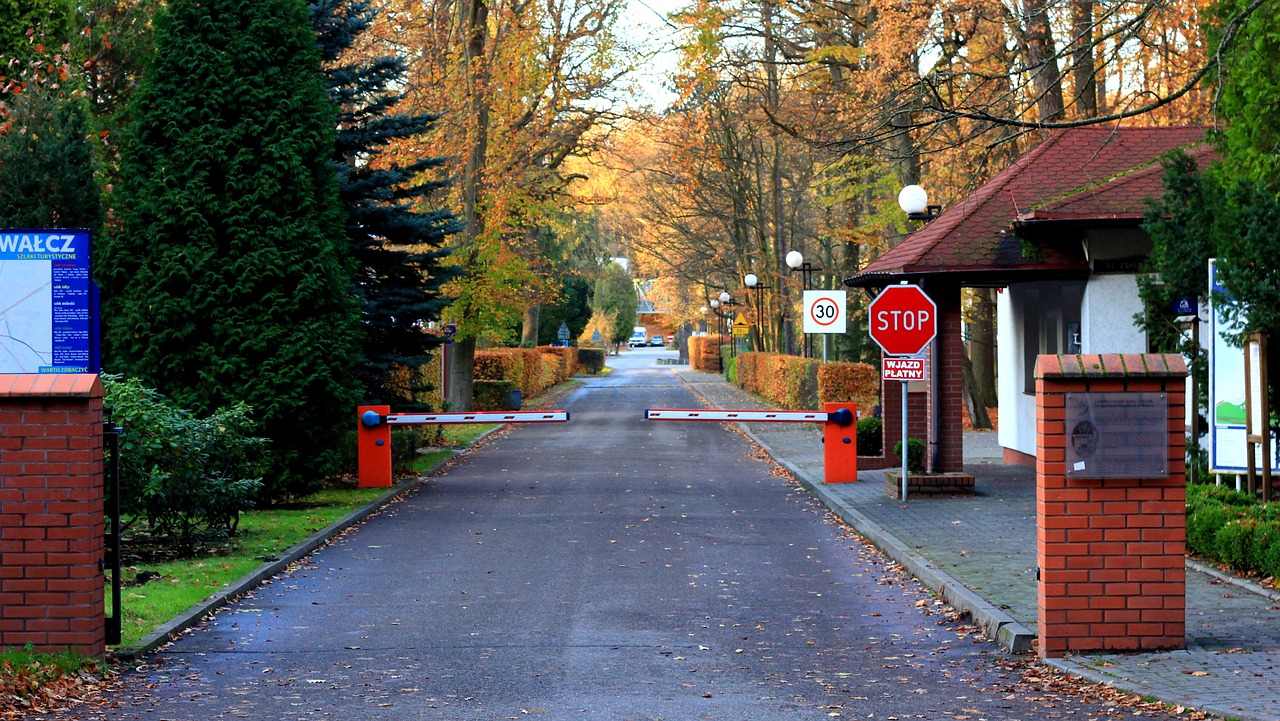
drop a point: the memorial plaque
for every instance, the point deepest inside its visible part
(1117, 435)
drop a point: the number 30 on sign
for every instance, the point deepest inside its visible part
(824, 311)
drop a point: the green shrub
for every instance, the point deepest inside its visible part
(1235, 544)
(915, 454)
(591, 360)
(1270, 557)
(1203, 522)
(871, 437)
(1266, 546)
(188, 478)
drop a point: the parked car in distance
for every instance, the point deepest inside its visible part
(657, 340)
(639, 338)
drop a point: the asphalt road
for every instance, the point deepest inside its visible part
(606, 569)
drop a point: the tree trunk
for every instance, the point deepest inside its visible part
(1038, 48)
(1083, 72)
(475, 24)
(983, 347)
(972, 397)
(460, 374)
(529, 331)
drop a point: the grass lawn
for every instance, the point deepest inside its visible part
(263, 535)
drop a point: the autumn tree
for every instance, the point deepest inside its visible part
(226, 279)
(519, 86)
(46, 154)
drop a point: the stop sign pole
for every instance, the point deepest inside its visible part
(904, 321)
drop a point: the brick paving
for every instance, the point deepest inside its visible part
(979, 552)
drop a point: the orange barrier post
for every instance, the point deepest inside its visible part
(840, 443)
(373, 445)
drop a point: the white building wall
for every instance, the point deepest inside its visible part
(1017, 409)
(1106, 316)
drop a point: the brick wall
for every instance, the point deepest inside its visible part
(1112, 574)
(946, 413)
(51, 516)
(891, 416)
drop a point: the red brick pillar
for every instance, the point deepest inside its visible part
(946, 409)
(1110, 532)
(51, 496)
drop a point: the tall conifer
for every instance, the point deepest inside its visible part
(395, 238)
(226, 278)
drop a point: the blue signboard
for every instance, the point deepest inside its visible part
(48, 302)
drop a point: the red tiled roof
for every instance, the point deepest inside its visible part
(1087, 173)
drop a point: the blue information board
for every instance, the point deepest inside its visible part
(48, 302)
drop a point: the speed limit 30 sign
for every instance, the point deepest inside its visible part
(824, 311)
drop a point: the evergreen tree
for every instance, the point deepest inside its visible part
(226, 278)
(395, 242)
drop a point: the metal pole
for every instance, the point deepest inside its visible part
(905, 449)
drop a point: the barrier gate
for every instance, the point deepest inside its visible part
(839, 434)
(373, 441)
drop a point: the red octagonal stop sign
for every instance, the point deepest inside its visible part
(903, 320)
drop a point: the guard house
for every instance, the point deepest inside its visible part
(1058, 233)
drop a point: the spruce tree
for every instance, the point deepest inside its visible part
(226, 278)
(395, 238)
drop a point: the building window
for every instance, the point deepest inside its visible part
(1051, 323)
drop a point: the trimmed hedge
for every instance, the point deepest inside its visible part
(786, 380)
(591, 360)
(857, 382)
(492, 395)
(703, 352)
(1233, 528)
(804, 383)
(563, 359)
(529, 368)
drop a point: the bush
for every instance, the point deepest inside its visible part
(562, 359)
(1235, 543)
(1233, 528)
(871, 437)
(188, 478)
(857, 382)
(1203, 522)
(704, 351)
(491, 395)
(915, 454)
(591, 360)
(786, 380)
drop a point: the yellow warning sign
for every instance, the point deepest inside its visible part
(740, 328)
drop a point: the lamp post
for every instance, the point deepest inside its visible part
(753, 283)
(914, 201)
(796, 262)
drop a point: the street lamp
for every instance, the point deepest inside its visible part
(796, 262)
(914, 201)
(753, 283)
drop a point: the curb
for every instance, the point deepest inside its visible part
(1007, 632)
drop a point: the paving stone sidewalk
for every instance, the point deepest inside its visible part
(979, 553)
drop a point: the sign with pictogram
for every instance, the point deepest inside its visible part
(740, 328)
(903, 320)
(824, 311)
(895, 368)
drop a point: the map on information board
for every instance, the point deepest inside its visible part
(48, 305)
